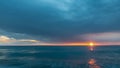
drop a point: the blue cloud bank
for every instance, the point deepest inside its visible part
(59, 20)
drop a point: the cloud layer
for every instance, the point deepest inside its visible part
(7, 40)
(61, 20)
(101, 37)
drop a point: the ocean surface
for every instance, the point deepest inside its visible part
(59, 57)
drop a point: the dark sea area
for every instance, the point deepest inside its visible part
(59, 57)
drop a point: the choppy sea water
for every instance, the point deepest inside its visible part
(59, 57)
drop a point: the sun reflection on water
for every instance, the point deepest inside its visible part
(91, 48)
(92, 64)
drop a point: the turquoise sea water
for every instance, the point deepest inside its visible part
(59, 57)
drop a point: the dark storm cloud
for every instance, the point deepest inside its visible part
(59, 20)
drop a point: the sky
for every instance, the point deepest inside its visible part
(42, 22)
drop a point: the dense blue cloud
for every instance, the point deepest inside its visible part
(59, 20)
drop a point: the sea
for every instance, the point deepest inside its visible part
(59, 57)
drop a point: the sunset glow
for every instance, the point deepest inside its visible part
(91, 44)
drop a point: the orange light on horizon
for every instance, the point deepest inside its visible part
(91, 44)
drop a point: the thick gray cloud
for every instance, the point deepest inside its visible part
(59, 20)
